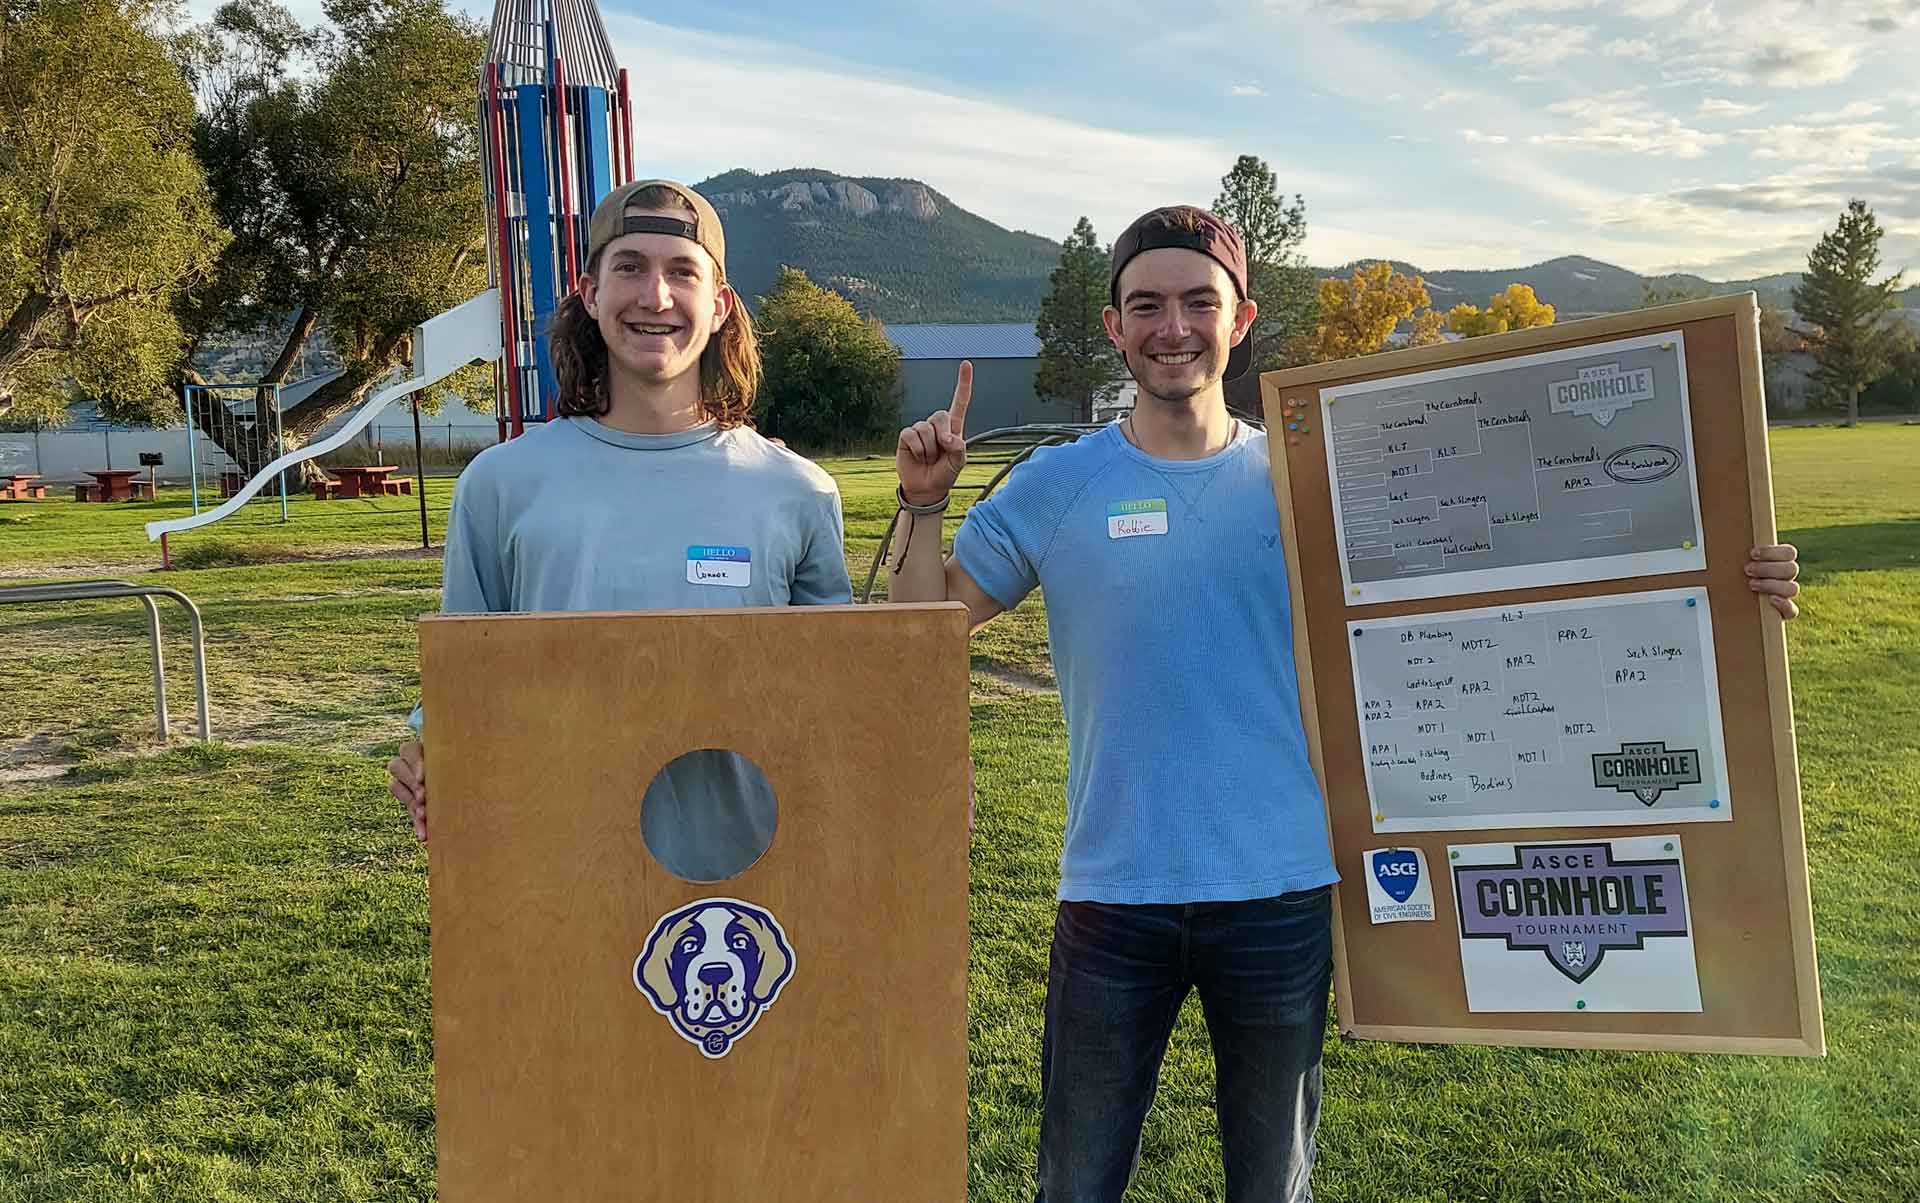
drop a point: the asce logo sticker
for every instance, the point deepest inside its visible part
(1397, 885)
(1398, 872)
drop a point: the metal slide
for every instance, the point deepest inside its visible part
(443, 344)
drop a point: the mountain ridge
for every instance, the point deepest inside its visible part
(903, 251)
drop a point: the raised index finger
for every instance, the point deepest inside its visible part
(962, 397)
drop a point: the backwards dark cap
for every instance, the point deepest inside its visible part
(1187, 227)
(702, 225)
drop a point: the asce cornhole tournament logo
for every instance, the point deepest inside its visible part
(1573, 902)
(1646, 770)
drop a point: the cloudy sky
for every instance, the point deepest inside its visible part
(1662, 135)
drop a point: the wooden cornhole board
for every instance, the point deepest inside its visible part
(557, 1076)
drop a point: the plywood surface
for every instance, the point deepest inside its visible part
(556, 1077)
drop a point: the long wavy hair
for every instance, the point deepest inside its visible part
(729, 367)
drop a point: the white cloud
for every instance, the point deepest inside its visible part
(1634, 48)
(1852, 112)
(1716, 107)
(1486, 14)
(1246, 90)
(1007, 162)
(1371, 11)
(1533, 45)
(1826, 144)
(1442, 100)
(1623, 121)
(1474, 135)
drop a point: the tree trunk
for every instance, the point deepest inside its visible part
(246, 435)
(1853, 405)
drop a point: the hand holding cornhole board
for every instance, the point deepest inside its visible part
(605, 1030)
(1551, 719)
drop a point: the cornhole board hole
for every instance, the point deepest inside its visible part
(606, 1030)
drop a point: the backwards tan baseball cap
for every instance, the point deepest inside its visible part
(702, 225)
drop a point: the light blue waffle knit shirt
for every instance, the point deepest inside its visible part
(1172, 636)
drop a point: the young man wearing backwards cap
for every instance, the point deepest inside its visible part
(649, 460)
(1196, 853)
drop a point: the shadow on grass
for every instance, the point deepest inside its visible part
(1869, 547)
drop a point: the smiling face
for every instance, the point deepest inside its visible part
(1178, 320)
(657, 298)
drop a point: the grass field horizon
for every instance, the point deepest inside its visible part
(214, 959)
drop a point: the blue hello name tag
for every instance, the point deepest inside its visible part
(729, 566)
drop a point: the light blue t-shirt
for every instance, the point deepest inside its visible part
(575, 515)
(1172, 637)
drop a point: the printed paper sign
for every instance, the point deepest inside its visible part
(1546, 469)
(1601, 392)
(712, 968)
(1130, 519)
(1577, 713)
(1580, 925)
(731, 566)
(1398, 888)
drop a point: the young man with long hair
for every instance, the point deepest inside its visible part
(649, 490)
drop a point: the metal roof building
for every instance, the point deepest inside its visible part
(1005, 357)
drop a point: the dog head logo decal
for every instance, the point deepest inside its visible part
(712, 967)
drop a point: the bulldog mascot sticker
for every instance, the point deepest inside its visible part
(712, 967)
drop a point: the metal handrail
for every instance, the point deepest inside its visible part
(92, 590)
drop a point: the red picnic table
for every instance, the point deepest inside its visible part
(116, 484)
(19, 486)
(364, 482)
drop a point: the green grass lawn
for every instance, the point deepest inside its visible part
(213, 960)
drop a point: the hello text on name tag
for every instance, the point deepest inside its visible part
(1131, 519)
(731, 566)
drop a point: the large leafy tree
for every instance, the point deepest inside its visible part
(105, 217)
(1077, 359)
(1852, 341)
(1514, 308)
(353, 191)
(1271, 228)
(1359, 314)
(829, 374)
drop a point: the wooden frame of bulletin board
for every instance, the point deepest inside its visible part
(1363, 558)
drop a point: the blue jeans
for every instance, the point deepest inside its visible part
(1116, 978)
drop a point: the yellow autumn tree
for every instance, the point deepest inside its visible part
(1359, 314)
(1515, 309)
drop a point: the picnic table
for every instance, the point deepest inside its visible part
(19, 486)
(115, 484)
(369, 481)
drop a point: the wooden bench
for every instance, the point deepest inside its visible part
(85, 492)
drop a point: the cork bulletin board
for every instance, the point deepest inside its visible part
(1552, 722)
(607, 1030)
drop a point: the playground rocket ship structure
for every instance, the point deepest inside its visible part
(557, 130)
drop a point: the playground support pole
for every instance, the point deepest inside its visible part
(279, 449)
(420, 473)
(193, 463)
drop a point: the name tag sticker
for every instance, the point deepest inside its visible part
(1130, 519)
(730, 566)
